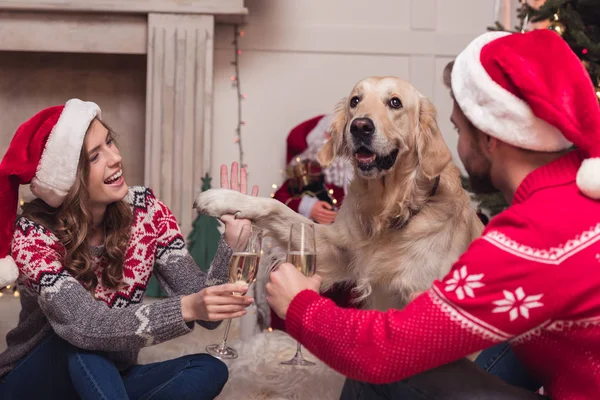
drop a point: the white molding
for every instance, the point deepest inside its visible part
(342, 39)
(179, 102)
(215, 7)
(73, 32)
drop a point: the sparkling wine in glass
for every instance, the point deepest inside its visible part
(243, 266)
(302, 253)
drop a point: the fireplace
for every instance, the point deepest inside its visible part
(149, 65)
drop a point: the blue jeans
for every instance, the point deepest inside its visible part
(55, 369)
(499, 360)
(460, 380)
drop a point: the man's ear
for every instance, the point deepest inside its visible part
(488, 144)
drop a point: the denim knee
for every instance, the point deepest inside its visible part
(219, 370)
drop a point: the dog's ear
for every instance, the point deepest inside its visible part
(331, 149)
(432, 150)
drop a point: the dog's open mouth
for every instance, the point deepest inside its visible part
(367, 160)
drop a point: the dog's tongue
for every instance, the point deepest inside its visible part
(365, 156)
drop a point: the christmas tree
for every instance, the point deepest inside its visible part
(489, 204)
(202, 244)
(577, 21)
(204, 238)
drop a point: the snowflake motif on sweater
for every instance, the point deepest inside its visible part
(153, 239)
(463, 284)
(517, 304)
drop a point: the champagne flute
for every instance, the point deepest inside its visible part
(243, 266)
(303, 255)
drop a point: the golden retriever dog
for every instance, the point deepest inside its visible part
(405, 219)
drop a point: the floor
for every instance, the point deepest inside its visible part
(256, 374)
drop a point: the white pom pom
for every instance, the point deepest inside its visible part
(588, 178)
(8, 271)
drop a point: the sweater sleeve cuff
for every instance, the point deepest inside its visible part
(166, 322)
(297, 310)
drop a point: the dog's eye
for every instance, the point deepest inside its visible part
(354, 101)
(395, 102)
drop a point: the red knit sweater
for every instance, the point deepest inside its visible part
(533, 278)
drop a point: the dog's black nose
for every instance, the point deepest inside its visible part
(362, 127)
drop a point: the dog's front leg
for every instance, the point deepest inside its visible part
(332, 255)
(276, 219)
(219, 202)
(268, 214)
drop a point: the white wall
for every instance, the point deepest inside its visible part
(301, 56)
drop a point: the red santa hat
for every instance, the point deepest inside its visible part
(530, 90)
(296, 140)
(44, 152)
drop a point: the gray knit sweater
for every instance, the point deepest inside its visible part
(113, 322)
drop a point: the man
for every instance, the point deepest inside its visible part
(532, 278)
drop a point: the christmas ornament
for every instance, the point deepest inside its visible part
(557, 26)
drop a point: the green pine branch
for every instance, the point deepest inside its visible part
(582, 21)
(493, 202)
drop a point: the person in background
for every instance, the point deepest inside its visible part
(312, 191)
(309, 190)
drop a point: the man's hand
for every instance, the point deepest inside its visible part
(216, 303)
(233, 226)
(323, 213)
(285, 283)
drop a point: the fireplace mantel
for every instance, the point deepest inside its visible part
(177, 38)
(222, 9)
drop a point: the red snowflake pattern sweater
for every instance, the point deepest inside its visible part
(112, 321)
(533, 279)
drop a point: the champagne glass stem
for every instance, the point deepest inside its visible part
(224, 341)
(299, 350)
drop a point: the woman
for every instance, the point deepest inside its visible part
(85, 250)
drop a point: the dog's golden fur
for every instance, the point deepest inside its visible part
(391, 236)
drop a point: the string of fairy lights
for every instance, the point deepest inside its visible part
(235, 82)
(9, 290)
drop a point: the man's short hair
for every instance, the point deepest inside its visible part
(448, 76)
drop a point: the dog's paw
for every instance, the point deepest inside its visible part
(218, 202)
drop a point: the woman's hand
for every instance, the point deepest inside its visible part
(216, 303)
(233, 226)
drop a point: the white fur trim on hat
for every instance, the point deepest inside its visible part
(493, 109)
(57, 169)
(316, 136)
(588, 178)
(8, 271)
